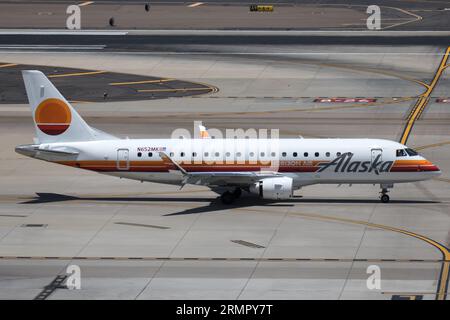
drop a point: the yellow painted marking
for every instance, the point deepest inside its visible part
(441, 294)
(406, 293)
(439, 144)
(8, 65)
(79, 101)
(172, 90)
(417, 18)
(85, 3)
(442, 179)
(445, 252)
(140, 82)
(193, 5)
(371, 70)
(351, 106)
(76, 74)
(338, 66)
(424, 98)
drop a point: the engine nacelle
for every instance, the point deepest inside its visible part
(273, 188)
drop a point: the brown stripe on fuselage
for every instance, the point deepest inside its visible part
(162, 166)
(413, 166)
(284, 166)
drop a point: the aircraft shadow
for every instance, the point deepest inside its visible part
(213, 205)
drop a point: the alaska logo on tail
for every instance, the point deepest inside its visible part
(55, 119)
(53, 116)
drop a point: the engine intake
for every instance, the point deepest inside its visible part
(273, 188)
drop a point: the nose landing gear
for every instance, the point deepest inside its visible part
(384, 190)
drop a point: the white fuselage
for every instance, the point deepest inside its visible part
(306, 161)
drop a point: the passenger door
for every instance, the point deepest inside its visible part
(123, 159)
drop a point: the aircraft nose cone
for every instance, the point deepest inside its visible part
(431, 168)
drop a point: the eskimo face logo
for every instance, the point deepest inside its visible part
(53, 116)
(344, 163)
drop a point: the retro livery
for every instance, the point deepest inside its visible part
(270, 168)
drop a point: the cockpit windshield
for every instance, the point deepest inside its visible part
(412, 152)
(406, 152)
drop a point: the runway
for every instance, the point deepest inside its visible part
(150, 241)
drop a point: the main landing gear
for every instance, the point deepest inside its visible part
(384, 190)
(228, 197)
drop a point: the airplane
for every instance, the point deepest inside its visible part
(226, 166)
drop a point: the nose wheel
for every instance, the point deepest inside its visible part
(384, 198)
(384, 190)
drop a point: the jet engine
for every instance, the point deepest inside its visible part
(273, 188)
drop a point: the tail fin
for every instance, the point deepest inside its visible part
(54, 118)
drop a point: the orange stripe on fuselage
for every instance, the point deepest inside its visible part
(283, 166)
(163, 166)
(411, 162)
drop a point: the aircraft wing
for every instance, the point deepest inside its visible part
(227, 178)
(219, 178)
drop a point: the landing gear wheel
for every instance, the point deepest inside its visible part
(384, 198)
(227, 197)
(237, 193)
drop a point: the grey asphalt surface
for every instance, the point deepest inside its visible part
(304, 15)
(103, 219)
(178, 43)
(91, 85)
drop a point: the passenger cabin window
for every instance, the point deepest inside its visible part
(171, 154)
(412, 152)
(305, 154)
(139, 154)
(150, 154)
(316, 154)
(181, 154)
(284, 154)
(273, 154)
(401, 153)
(327, 154)
(338, 154)
(294, 154)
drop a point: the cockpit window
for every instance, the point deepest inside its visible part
(401, 153)
(412, 152)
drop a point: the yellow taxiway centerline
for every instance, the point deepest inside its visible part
(8, 65)
(85, 3)
(76, 74)
(140, 82)
(173, 90)
(441, 292)
(443, 278)
(423, 99)
(196, 4)
(439, 144)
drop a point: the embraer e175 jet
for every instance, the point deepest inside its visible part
(226, 166)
